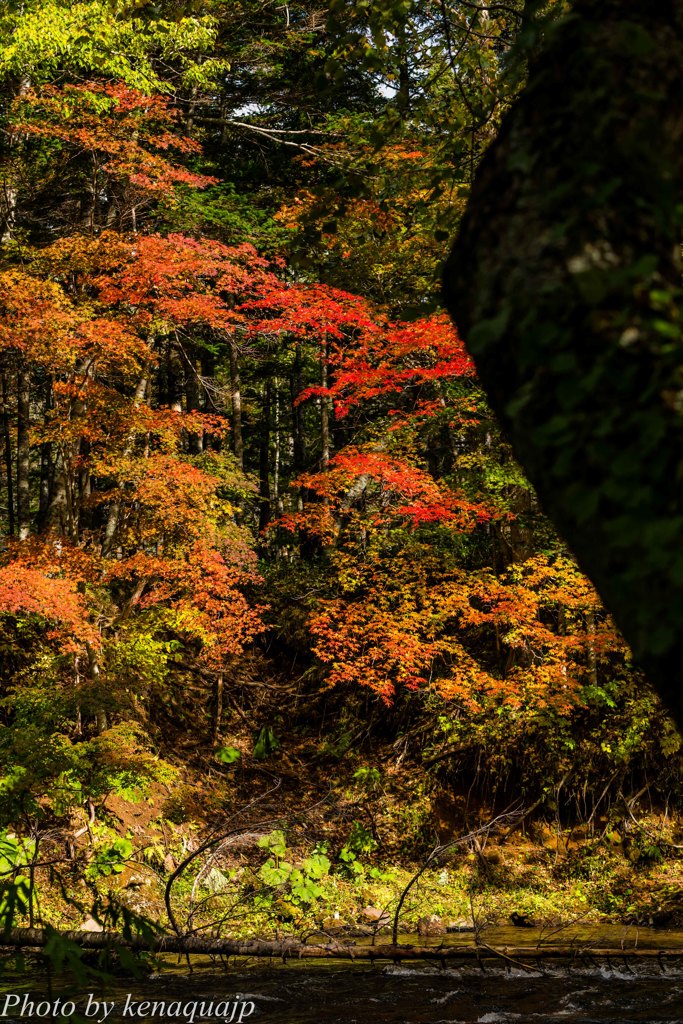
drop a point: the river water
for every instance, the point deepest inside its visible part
(342, 993)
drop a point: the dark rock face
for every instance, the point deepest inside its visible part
(565, 283)
(431, 925)
(521, 920)
(461, 924)
(379, 919)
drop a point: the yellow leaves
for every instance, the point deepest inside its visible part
(370, 647)
(96, 36)
(40, 320)
(36, 317)
(194, 592)
(529, 640)
(386, 632)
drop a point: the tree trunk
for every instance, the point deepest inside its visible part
(278, 451)
(298, 440)
(192, 402)
(565, 282)
(23, 454)
(45, 485)
(324, 411)
(84, 488)
(101, 722)
(115, 510)
(89, 206)
(46, 477)
(57, 517)
(218, 708)
(173, 377)
(264, 459)
(403, 91)
(236, 402)
(9, 188)
(9, 467)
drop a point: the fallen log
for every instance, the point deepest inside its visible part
(36, 938)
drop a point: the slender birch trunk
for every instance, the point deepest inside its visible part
(23, 454)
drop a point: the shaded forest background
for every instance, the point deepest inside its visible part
(263, 542)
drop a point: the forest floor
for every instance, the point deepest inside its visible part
(297, 846)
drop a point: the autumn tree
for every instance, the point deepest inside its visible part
(241, 438)
(576, 335)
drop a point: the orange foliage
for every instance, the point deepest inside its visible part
(88, 311)
(530, 640)
(124, 130)
(49, 594)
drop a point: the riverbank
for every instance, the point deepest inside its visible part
(253, 852)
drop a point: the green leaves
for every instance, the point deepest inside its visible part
(110, 860)
(266, 744)
(49, 37)
(275, 842)
(301, 882)
(228, 755)
(317, 865)
(274, 873)
(367, 778)
(15, 886)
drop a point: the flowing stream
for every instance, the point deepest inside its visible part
(341, 993)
